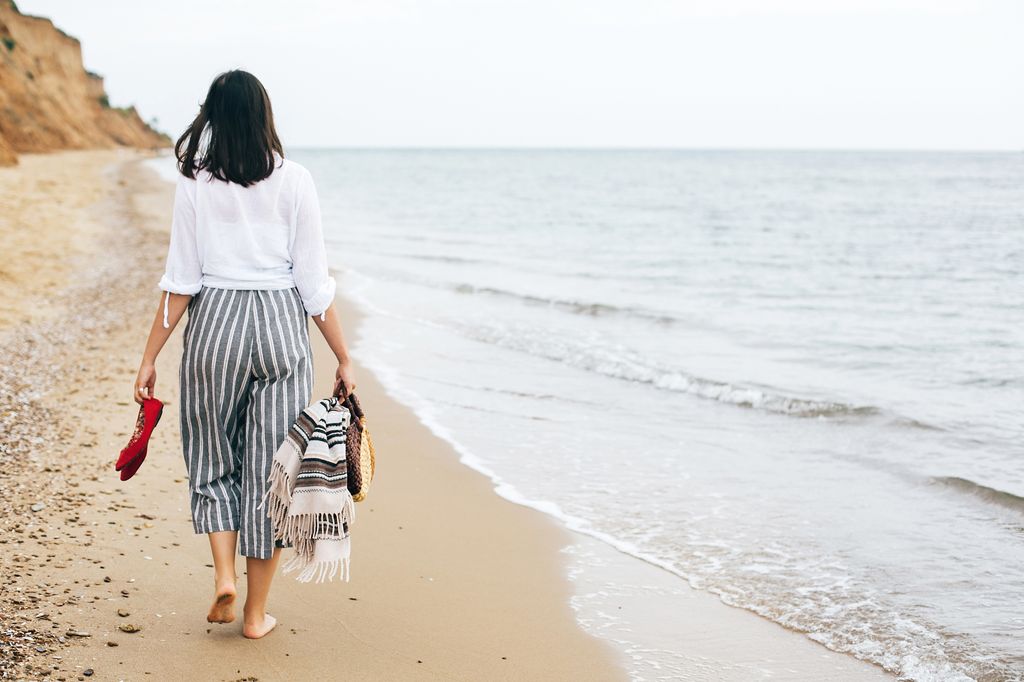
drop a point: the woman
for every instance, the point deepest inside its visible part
(247, 261)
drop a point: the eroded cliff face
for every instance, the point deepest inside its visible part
(48, 101)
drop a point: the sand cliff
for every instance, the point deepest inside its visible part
(49, 101)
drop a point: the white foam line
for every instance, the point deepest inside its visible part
(389, 378)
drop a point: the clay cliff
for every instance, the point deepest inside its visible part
(48, 101)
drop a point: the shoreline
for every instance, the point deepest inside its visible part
(451, 578)
(708, 638)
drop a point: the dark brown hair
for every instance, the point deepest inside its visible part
(233, 137)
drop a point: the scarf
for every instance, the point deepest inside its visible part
(308, 500)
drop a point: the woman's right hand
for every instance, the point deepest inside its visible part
(145, 383)
(344, 381)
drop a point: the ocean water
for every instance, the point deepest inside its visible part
(792, 379)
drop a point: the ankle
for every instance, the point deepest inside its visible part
(254, 615)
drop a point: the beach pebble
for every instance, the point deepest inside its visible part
(123, 613)
(128, 627)
(87, 672)
(77, 633)
(38, 506)
(111, 643)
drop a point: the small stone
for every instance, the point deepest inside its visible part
(123, 613)
(87, 672)
(38, 507)
(129, 628)
(77, 633)
(111, 643)
(106, 579)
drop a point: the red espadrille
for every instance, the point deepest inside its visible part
(133, 454)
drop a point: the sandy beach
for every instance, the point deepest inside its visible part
(449, 580)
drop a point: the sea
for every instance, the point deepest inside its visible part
(791, 379)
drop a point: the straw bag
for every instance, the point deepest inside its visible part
(359, 452)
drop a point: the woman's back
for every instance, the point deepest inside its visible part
(244, 235)
(264, 236)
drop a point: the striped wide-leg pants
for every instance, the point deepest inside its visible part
(246, 373)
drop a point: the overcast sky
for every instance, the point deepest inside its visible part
(909, 74)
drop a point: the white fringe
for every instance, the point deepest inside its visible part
(333, 560)
(306, 531)
(320, 571)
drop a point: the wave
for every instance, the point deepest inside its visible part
(569, 305)
(586, 308)
(505, 391)
(994, 496)
(621, 364)
(444, 259)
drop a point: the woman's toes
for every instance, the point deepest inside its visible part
(256, 630)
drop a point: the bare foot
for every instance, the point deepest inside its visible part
(223, 608)
(261, 628)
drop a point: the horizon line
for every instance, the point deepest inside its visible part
(645, 148)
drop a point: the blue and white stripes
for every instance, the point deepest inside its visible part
(246, 374)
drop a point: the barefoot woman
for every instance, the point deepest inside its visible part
(247, 262)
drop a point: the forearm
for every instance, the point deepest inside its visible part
(158, 334)
(330, 327)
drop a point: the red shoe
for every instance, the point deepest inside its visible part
(135, 452)
(131, 467)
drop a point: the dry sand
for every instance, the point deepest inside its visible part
(449, 581)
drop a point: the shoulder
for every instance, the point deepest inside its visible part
(190, 182)
(298, 179)
(295, 170)
(185, 186)
(185, 181)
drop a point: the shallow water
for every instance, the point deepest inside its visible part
(792, 378)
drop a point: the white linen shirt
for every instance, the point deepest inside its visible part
(264, 236)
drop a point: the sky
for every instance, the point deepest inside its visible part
(806, 74)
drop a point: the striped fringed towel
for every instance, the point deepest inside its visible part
(308, 500)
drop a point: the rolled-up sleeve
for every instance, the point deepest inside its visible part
(183, 273)
(309, 256)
